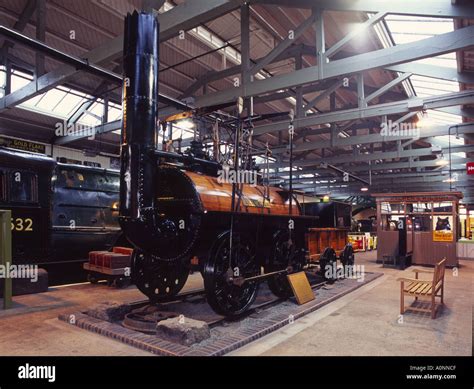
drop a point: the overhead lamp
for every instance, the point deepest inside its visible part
(453, 179)
(364, 189)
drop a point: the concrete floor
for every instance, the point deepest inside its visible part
(365, 322)
(32, 327)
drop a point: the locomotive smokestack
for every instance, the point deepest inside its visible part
(139, 123)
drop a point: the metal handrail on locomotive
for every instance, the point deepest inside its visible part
(174, 208)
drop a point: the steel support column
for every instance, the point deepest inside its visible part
(246, 76)
(320, 42)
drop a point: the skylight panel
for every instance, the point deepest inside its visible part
(428, 81)
(97, 109)
(453, 119)
(68, 105)
(31, 103)
(407, 29)
(444, 140)
(50, 99)
(21, 74)
(89, 119)
(459, 155)
(18, 82)
(58, 102)
(418, 26)
(409, 38)
(429, 91)
(447, 61)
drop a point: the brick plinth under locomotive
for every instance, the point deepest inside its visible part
(172, 213)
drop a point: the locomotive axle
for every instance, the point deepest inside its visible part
(239, 281)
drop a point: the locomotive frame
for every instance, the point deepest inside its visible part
(173, 207)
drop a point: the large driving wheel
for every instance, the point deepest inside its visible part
(225, 296)
(284, 255)
(328, 264)
(157, 279)
(347, 256)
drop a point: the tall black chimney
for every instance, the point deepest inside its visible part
(139, 125)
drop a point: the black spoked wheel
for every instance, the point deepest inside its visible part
(328, 264)
(226, 297)
(156, 279)
(347, 256)
(284, 255)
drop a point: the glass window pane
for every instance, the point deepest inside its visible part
(422, 207)
(443, 207)
(89, 119)
(18, 82)
(421, 223)
(97, 109)
(33, 101)
(23, 187)
(397, 208)
(68, 105)
(87, 180)
(389, 222)
(385, 208)
(51, 99)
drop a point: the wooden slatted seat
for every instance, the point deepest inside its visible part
(425, 289)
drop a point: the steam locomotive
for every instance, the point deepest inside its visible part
(56, 207)
(173, 207)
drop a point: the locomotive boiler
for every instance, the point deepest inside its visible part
(174, 208)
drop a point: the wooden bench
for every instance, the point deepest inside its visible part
(427, 289)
